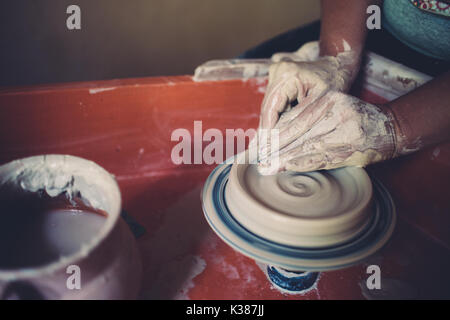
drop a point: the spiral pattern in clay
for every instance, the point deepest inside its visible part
(310, 195)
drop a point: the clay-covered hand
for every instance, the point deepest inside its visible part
(303, 77)
(335, 130)
(307, 52)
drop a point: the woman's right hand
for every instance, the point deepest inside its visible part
(334, 131)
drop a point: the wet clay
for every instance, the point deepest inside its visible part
(313, 209)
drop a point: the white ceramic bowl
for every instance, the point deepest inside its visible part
(109, 264)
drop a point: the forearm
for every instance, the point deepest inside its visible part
(343, 28)
(343, 25)
(422, 116)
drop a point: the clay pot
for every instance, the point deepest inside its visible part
(107, 266)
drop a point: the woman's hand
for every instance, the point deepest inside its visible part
(331, 131)
(303, 77)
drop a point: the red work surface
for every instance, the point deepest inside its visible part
(126, 126)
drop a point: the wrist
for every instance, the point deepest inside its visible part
(348, 58)
(347, 67)
(398, 135)
(405, 143)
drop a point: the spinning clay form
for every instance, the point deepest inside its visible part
(301, 209)
(313, 221)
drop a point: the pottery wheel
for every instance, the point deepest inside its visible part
(299, 221)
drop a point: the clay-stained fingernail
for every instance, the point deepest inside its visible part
(306, 163)
(266, 169)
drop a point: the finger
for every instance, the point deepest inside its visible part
(268, 143)
(284, 56)
(306, 118)
(289, 125)
(278, 100)
(318, 157)
(303, 157)
(253, 150)
(270, 166)
(285, 139)
(268, 169)
(283, 89)
(303, 128)
(274, 102)
(310, 92)
(307, 163)
(288, 116)
(309, 51)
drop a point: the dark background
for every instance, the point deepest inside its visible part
(134, 38)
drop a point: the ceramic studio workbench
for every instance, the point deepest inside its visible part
(126, 126)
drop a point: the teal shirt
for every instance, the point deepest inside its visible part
(423, 31)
